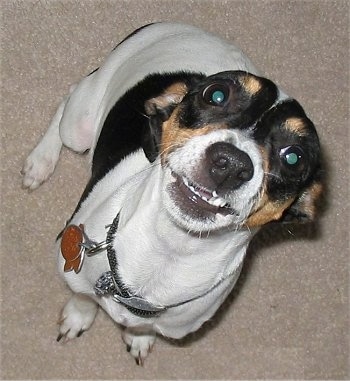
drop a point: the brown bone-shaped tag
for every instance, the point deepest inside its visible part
(71, 247)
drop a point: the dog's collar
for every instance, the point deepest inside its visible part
(76, 244)
(109, 283)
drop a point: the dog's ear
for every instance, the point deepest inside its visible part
(159, 109)
(163, 105)
(304, 208)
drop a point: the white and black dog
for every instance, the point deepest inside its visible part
(191, 153)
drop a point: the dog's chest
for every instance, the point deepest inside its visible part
(156, 259)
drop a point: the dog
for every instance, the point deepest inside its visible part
(191, 151)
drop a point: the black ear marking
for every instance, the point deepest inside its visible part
(151, 137)
(303, 209)
(294, 214)
(159, 109)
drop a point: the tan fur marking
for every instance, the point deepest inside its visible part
(177, 88)
(310, 199)
(174, 136)
(265, 158)
(251, 84)
(269, 211)
(296, 125)
(173, 94)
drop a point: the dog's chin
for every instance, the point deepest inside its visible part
(197, 209)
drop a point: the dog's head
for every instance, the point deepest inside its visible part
(233, 154)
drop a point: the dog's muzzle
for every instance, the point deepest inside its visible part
(215, 175)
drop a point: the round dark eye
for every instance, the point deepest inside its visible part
(216, 94)
(292, 156)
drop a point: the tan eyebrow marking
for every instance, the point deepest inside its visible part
(296, 125)
(250, 84)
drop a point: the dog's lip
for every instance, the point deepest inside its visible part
(203, 199)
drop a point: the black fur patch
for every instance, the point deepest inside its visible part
(242, 110)
(127, 128)
(285, 181)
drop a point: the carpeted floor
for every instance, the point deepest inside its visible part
(289, 317)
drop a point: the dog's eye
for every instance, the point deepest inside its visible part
(216, 94)
(292, 157)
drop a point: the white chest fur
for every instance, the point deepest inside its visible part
(156, 259)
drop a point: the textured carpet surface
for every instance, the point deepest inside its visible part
(288, 317)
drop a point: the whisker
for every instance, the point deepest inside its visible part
(291, 233)
(149, 166)
(165, 150)
(273, 175)
(141, 113)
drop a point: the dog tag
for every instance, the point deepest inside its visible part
(72, 248)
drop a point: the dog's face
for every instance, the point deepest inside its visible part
(232, 155)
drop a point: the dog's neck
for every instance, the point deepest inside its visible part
(157, 259)
(170, 260)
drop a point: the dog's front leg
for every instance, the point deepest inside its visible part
(42, 161)
(139, 342)
(77, 317)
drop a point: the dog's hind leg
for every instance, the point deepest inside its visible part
(77, 317)
(139, 342)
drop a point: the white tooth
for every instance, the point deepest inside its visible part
(185, 181)
(204, 198)
(215, 194)
(215, 201)
(192, 188)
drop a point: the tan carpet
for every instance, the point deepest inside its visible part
(289, 317)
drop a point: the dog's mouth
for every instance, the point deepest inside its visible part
(196, 200)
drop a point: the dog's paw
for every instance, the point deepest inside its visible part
(77, 317)
(139, 343)
(41, 162)
(39, 165)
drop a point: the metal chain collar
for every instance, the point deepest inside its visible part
(109, 283)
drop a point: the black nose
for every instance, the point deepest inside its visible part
(228, 166)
